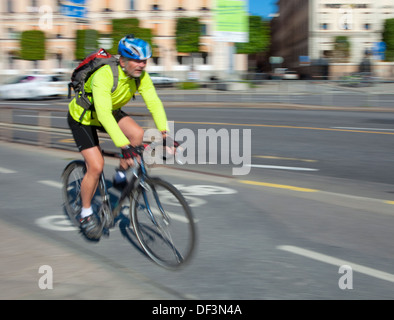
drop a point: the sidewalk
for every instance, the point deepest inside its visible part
(75, 277)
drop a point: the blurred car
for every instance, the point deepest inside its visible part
(159, 79)
(34, 87)
(290, 75)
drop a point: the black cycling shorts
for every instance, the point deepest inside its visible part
(86, 136)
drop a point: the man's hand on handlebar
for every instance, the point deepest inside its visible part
(128, 153)
(169, 144)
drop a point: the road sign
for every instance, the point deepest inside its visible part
(79, 2)
(379, 50)
(74, 11)
(305, 60)
(276, 60)
(232, 22)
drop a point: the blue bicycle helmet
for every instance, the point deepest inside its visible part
(134, 48)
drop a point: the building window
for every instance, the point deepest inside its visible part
(180, 5)
(204, 56)
(132, 5)
(9, 6)
(155, 7)
(11, 59)
(323, 26)
(59, 59)
(204, 30)
(367, 26)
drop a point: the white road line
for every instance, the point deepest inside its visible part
(280, 167)
(25, 103)
(36, 116)
(367, 129)
(338, 262)
(4, 170)
(51, 183)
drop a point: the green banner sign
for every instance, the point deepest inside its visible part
(232, 22)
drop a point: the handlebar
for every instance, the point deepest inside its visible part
(147, 146)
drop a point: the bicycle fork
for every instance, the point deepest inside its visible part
(163, 230)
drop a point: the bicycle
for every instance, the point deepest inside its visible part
(159, 214)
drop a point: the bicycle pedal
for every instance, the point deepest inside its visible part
(106, 232)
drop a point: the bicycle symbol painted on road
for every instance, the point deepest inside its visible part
(192, 194)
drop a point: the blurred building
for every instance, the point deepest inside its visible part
(304, 33)
(159, 15)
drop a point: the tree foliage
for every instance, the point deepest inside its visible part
(259, 37)
(123, 27)
(86, 43)
(341, 51)
(32, 45)
(187, 33)
(388, 38)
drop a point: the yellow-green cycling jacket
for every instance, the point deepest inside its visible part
(100, 85)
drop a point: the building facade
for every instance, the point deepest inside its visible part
(304, 32)
(60, 30)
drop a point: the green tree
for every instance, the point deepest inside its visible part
(259, 37)
(86, 42)
(187, 33)
(341, 49)
(388, 38)
(123, 27)
(32, 45)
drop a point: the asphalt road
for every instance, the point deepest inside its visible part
(313, 218)
(255, 241)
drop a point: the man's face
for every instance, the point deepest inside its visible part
(133, 68)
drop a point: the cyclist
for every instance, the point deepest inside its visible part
(107, 115)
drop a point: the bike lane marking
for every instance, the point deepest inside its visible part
(4, 170)
(192, 194)
(262, 166)
(51, 183)
(56, 223)
(338, 262)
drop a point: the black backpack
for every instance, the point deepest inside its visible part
(85, 69)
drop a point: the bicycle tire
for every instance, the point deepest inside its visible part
(169, 241)
(71, 189)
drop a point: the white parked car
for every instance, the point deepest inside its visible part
(159, 79)
(290, 75)
(34, 87)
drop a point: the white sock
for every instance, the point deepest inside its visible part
(86, 212)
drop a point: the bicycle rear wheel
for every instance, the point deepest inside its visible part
(163, 223)
(72, 179)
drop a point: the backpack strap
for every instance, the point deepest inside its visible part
(83, 100)
(115, 72)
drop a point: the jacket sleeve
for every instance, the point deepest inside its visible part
(153, 102)
(101, 86)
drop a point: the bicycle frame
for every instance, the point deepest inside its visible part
(141, 174)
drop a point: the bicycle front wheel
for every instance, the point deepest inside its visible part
(163, 223)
